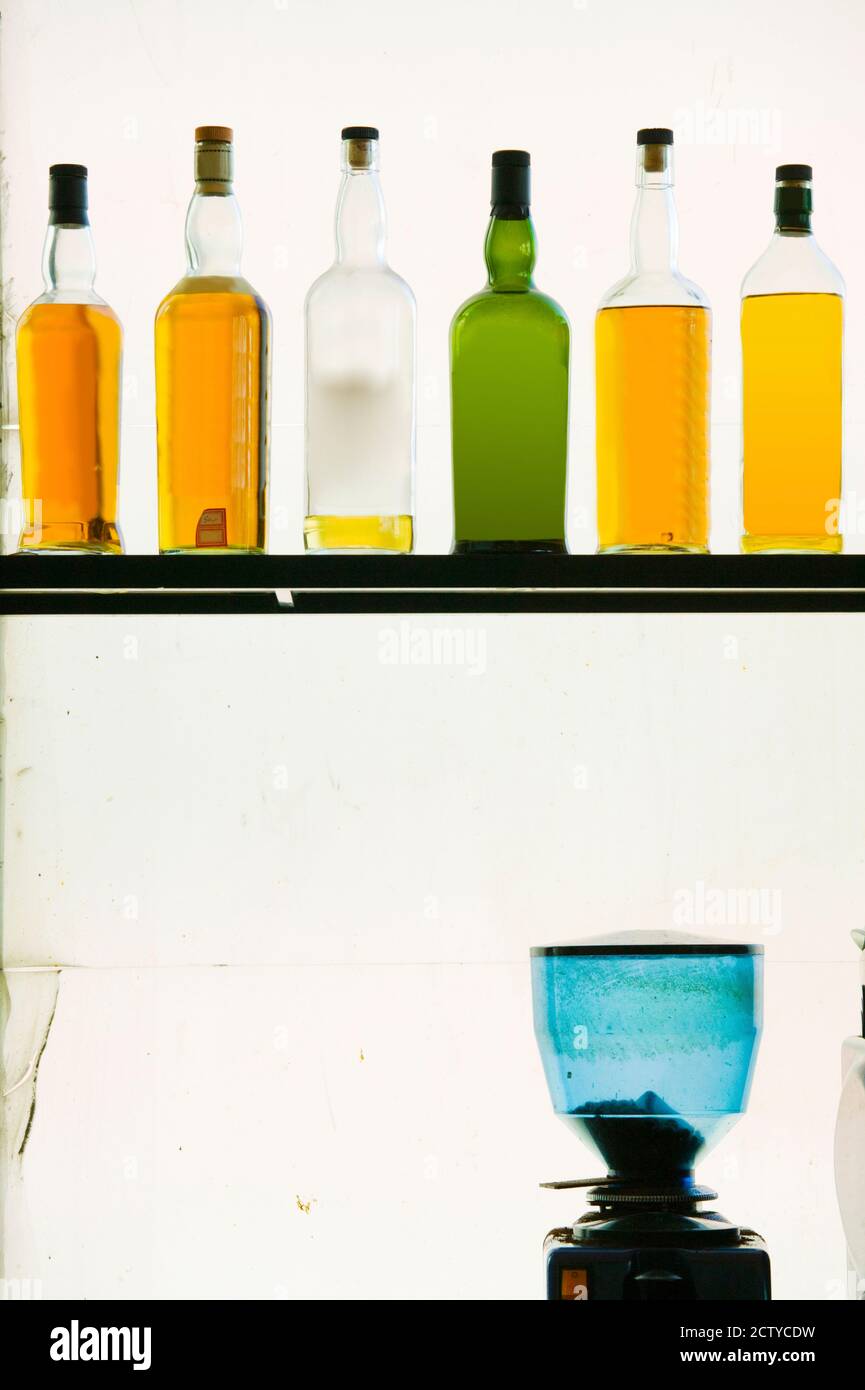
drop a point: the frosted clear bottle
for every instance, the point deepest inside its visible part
(360, 376)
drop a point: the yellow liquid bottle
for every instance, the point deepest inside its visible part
(212, 339)
(653, 336)
(792, 335)
(69, 346)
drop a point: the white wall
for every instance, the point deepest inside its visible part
(291, 886)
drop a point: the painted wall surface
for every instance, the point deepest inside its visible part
(291, 868)
(270, 883)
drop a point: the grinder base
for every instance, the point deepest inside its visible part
(643, 1245)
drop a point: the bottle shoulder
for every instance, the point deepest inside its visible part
(88, 298)
(667, 288)
(52, 308)
(512, 305)
(359, 282)
(793, 265)
(191, 288)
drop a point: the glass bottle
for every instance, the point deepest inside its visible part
(653, 334)
(792, 332)
(212, 341)
(360, 376)
(509, 351)
(69, 346)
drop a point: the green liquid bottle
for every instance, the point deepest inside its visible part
(510, 348)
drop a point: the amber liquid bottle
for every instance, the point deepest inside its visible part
(68, 347)
(652, 369)
(213, 377)
(792, 332)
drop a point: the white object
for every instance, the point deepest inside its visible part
(360, 361)
(850, 1148)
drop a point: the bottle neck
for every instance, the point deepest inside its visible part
(797, 233)
(214, 232)
(654, 225)
(510, 251)
(69, 260)
(360, 219)
(793, 205)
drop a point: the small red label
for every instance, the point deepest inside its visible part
(211, 529)
(575, 1284)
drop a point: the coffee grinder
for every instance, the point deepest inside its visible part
(648, 1042)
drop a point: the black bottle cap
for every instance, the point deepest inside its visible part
(654, 135)
(794, 201)
(359, 132)
(517, 159)
(67, 195)
(512, 184)
(793, 173)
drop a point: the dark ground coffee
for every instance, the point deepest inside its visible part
(641, 1138)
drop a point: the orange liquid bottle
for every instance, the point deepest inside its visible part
(212, 341)
(69, 346)
(653, 340)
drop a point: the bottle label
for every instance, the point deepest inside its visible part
(211, 529)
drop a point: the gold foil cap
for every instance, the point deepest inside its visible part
(214, 154)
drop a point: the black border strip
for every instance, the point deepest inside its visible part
(34, 584)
